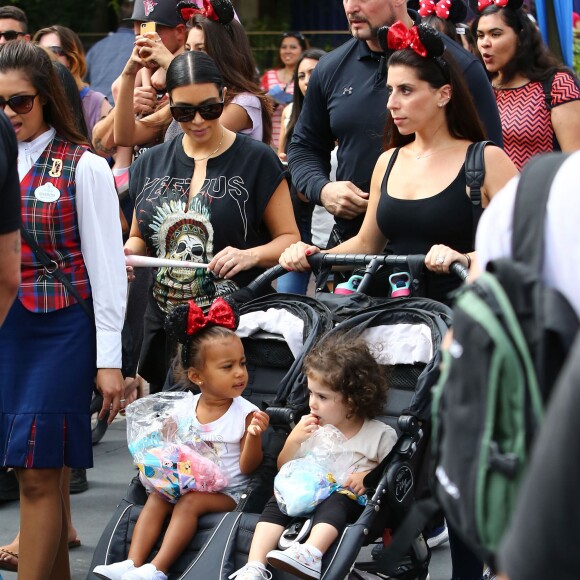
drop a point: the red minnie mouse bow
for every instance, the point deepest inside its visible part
(400, 37)
(188, 12)
(441, 9)
(481, 4)
(220, 313)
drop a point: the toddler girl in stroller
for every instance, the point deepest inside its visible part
(347, 388)
(213, 358)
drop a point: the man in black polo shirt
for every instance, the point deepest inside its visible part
(347, 102)
(9, 217)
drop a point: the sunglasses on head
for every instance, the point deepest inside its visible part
(186, 113)
(293, 35)
(11, 34)
(20, 104)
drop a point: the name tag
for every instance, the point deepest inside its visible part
(47, 193)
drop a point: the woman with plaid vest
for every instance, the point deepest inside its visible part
(60, 333)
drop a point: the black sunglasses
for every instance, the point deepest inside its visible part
(55, 50)
(11, 34)
(20, 104)
(186, 113)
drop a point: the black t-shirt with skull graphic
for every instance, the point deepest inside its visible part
(227, 211)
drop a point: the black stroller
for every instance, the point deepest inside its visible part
(418, 325)
(222, 542)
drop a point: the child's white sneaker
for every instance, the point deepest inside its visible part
(114, 571)
(302, 560)
(252, 571)
(145, 572)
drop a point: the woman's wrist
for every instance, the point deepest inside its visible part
(468, 260)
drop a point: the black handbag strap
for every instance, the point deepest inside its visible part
(475, 177)
(52, 267)
(530, 208)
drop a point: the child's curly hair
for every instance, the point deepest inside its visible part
(346, 364)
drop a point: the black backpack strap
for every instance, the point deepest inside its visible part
(52, 267)
(475, 176)
(530, 208)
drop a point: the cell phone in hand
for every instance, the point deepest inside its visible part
(148, 27)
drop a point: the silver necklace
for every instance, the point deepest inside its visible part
(214, 151)
(417, 157)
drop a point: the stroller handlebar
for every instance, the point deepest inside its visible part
(265, 278)
(321, 260)
(459, 270)
(317, 261)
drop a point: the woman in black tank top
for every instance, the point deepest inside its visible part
(418, 199)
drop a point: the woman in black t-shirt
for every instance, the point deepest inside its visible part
(209, 195)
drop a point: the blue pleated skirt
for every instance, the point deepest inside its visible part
(47, 371)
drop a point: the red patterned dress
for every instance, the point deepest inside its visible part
(525, 118)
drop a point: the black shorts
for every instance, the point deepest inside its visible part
(338, 510)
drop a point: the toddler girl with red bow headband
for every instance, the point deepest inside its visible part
(213, 360)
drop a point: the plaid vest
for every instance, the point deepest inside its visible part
(49, 213)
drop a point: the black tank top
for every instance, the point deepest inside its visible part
(413, 226)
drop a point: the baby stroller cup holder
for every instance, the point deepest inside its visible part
(412, 264)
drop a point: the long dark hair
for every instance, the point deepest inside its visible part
(298, 97)
(74, 98)
(230, 48)
(462, 118)
(533, 59)
(35, 63)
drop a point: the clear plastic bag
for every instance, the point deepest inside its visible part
(321, 468)
(167, 448)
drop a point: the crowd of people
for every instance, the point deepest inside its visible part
(166, 141)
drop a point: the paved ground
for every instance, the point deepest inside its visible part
(107, 483)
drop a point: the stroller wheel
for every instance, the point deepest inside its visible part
(98, 427)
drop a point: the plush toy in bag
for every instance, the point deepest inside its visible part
(320, 468)
(167, 448)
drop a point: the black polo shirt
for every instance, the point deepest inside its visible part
(347, 102)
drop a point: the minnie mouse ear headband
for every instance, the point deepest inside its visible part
(512, 4)
(186, 320)
(221, 11)
(423, 39)
(453, 10)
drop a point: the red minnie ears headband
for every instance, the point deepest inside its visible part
(220, 313)
(513, 4)
(220, 11)
(454, 10)
(423, 39)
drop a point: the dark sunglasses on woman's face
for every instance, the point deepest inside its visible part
(57, 50)
(20, 104)
(186, 113)
(11, 34)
